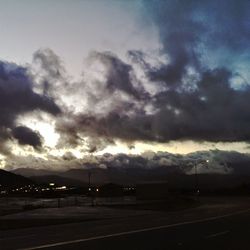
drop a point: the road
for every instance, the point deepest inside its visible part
(231, 231)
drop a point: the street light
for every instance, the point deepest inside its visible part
(89, 177)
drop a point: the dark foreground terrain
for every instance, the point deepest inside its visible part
(216, 224)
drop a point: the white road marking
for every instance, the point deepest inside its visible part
(133, 231)
(217, 234)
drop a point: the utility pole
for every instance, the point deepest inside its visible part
(196, 179)
(197, 188)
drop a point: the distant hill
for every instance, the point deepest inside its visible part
(58, 180)
(27, 172)
(124, 176)
(132, 176)
(8, 179)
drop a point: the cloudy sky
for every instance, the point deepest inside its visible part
(80, 79)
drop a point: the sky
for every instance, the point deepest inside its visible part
(81, 79)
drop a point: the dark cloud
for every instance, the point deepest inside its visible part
(17, 95)
(194, 32)
(200, 101)
(50, 76)
(180, 34)
(17, 98)
(119, 75)
(26, 136)
(212, 161)
(68, 156)
(205, 162)
(190, 95)
(49, 63)
(213, 112)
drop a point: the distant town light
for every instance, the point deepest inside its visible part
(61, 188)
(97, 190)
(52, 184)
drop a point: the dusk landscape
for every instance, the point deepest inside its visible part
(124, 124)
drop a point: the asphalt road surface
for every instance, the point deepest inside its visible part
(231, 231)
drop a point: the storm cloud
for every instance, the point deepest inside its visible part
(196, 87)
(18, 98)
(26, 136)
(212, 161)
(195, 99)
(214, 111)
